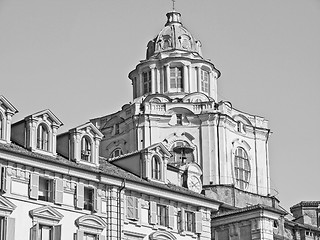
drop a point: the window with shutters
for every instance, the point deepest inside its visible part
(90, 227)
(132, 207)
(2, 228)
(45, 224)
(189, 221)
(45, 192)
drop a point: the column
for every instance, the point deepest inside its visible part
(158, 81)
(191, 82)
(198, 79)
(211, 86)
(153, 79)
(140, 84)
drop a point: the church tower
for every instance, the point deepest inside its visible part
(217, 149)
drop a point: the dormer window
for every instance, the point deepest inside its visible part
(42, 137)
(179, 119)
(146, 82)
(85, 149)
(176, 79)
(155, 168)
(204, 81)
(116, 153)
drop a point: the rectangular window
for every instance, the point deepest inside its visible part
(2, 228)
(162, 215)
(190, 221)
(132, 208)
(45, 192)
(89, 236)
(176, 79)
(46, 232)
(204, 81)
(88, 199)
(146, 82)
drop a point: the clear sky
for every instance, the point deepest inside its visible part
(73, 57)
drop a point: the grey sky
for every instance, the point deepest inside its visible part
(73, 57)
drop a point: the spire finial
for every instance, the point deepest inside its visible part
(173, 3)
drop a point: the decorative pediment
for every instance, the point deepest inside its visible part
(6, 207)
(196, 97)
(241, 118)
(157, 98)
(88, 128)
(162, 235)
(160, 148)
(91, 222)
(46, 214)
(46, 116)
(6, 105)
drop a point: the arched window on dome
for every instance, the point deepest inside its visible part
(42, 137)
(242, 168)
(176, 79)
(85, 149)
(204, 81)
(146, 76)
(155, 168)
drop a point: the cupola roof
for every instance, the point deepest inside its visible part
(173, 37)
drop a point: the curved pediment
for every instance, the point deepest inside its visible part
(160, 98)
(91, 221)
(162, 235)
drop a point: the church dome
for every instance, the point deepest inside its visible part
(174, 36)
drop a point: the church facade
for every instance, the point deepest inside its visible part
(176, 163)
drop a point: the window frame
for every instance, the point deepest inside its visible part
(47, 195)
(162, 215)
(114, 151)
(2, 126)
(88, 198)
(242, 168)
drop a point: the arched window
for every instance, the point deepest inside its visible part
(182, 153)
(242, 168)
(116, 153)
(42, 137)
(85, 149)
(155, 168)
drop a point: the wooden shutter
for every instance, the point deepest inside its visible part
(80, 235)
(34, 231)
(58, 191)
(130, 207)
(57, 232)
(95, 200)
(34, 186)
(198, 222)
(10, 228)
(171, 217)
(79, 195)
(153, 213)
(182, 220)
